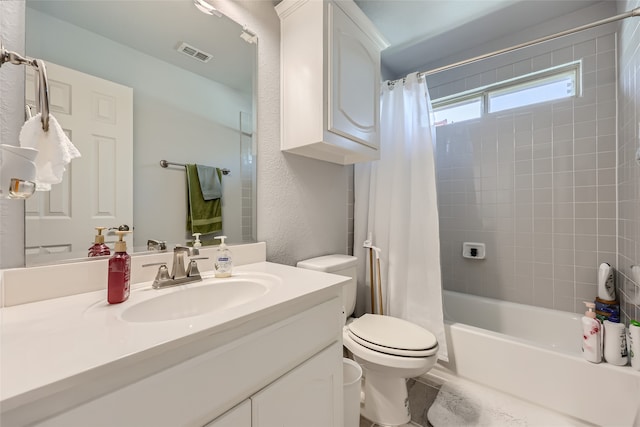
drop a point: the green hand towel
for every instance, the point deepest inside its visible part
(203, 216)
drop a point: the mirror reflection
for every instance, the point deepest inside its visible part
(131, 91)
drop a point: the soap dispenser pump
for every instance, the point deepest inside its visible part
(197, 244)
(99, 248)
(119, 272)
(223, 262)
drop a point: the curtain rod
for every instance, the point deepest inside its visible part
(629, 14)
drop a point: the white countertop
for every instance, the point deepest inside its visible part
(51, 345)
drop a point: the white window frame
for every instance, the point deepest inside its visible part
(484, 92)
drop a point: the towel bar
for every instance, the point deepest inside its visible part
(165, 164)
(43, 84)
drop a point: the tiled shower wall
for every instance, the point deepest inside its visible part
(536, 184)
(628, 167)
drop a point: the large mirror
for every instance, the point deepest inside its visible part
(134, 83)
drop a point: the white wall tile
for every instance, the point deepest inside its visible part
(558, 190)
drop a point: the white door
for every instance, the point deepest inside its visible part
(97, 189)
(309, 396)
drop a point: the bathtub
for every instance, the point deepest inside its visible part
(534, 354)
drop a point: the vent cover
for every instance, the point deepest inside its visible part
(194, 52)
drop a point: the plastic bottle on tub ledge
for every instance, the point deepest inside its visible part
(591, 335)
(606, 284)
(615, 343)
(633, 343)
(607, 306)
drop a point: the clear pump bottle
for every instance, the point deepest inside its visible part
(119, 272)
(223, 259)
(99, 248)
(197, 244)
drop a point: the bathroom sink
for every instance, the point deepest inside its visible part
(209, 296)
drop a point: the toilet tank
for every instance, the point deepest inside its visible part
(344, 265)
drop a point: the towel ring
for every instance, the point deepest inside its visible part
(43, 83)
(43, 93)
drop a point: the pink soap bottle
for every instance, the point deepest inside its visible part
(591, 335)
(119, 272)
(99, 248)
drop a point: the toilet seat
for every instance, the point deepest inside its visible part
(392, 336)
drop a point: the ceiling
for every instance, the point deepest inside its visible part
(157, 27)
(421, 32)
(424, 31)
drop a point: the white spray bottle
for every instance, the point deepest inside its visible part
(606, 287)
(591, 335)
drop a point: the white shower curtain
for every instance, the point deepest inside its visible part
(395, 200)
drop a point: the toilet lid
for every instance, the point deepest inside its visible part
(392, 335)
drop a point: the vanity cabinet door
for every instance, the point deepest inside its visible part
(240, 416)
(309, 395)
(354, 81)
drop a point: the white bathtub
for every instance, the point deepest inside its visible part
(534, 353)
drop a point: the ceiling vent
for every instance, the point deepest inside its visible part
(195, 53)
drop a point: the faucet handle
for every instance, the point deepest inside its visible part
(154, 263)
(161, 276)
(192, 269)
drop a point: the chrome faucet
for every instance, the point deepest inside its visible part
(156, 245)
(179, 270)
(179, 273)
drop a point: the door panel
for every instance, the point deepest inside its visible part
(97, 188)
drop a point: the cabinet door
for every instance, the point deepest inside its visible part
(354, 81)
(240, 416)
(309, 396)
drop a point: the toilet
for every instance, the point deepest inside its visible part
(388, 349)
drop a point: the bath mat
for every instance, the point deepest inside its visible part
(463, 403)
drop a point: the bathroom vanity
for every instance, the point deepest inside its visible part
(264, 358)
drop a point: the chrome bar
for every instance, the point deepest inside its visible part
(43, 85)
(632, 13)
(166, 164)
(43, 93)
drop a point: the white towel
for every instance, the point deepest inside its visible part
(55, 150)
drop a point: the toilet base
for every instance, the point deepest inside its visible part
(386, 400)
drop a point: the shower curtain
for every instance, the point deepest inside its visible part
(395, 200)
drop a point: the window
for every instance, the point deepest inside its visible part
(548, 85)
(562, 85)
(458, 111)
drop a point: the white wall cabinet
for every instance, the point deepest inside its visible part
(330, 70)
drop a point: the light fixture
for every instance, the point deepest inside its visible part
(248, 35)
(204, 7)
